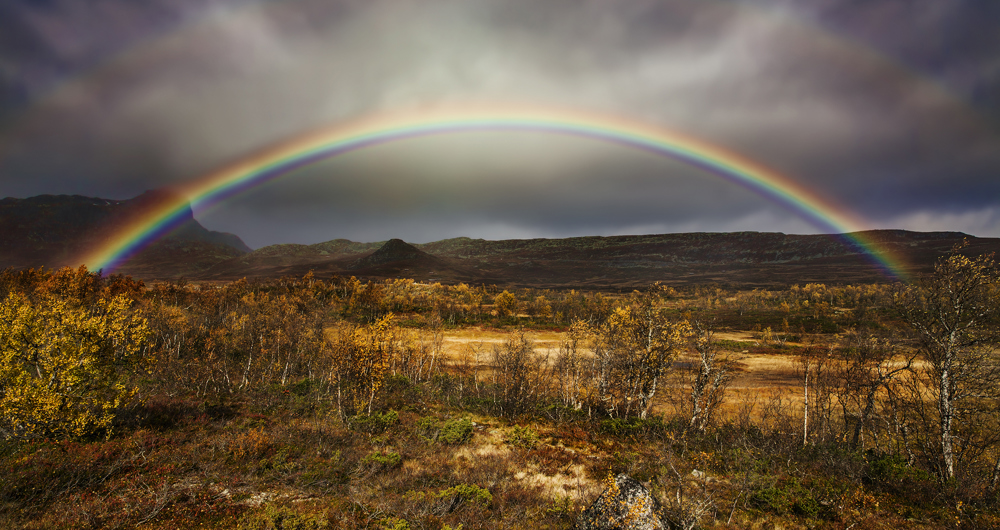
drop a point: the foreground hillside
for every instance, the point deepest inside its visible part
(306, 403)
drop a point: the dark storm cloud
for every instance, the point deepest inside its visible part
(887, 107)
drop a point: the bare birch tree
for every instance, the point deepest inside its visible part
(953, 315)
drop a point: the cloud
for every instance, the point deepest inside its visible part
(188, 86)
(983, 222)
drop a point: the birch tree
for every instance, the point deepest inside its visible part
(953, 315)
(633, 349)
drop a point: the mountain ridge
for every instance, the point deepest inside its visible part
(53, 230)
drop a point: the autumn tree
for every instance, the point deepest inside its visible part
(65, 367)
(571, 372)
(361, 356)
(953, 316)
(633, 348)
(518, 374)
(505, 304)
(869, 364)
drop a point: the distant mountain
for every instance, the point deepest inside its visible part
(739, 258)
(55, 230)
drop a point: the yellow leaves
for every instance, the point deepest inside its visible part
(633, 348)
(63, 367)
(505, 304)
(361, 357)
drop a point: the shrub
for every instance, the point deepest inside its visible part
(469, 493)
(456, 432)
(376, 423)
(893, 470)
(64, 368)
(451, 432)
(275, 518)
(788, 497)
(524, 437)
(632, 427)
(395, 523)
(382, 459)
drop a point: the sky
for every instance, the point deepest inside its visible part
(889, 108)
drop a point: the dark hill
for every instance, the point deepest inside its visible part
(397, 258)
(392, 251)
(739, 258)
(55, 230)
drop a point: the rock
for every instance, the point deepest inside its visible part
(624, 505)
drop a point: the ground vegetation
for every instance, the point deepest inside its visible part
(336, 402)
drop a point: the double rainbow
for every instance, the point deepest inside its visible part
(281, 159)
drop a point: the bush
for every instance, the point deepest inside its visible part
(789, 497)
(382, 459)
(451, 432)
(275, 518)
(395, 523)
(633, 427)
(469, 493)
(456, 432)
(64, 368)
(524, 437)
(893, 470)
(376, 423)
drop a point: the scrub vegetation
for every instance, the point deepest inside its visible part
(306, 403)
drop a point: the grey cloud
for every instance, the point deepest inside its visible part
(759, 78)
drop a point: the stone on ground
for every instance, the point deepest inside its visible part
(624, 505)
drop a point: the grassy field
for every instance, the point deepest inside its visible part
(242, 421)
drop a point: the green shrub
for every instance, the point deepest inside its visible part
(632, 427)
(376, 423)
(456, 432)
(524, 437)
(395, 523)
(469, 493)
(280, 518)
(790, 496)
(770, 499)
(451, 432)
(893, 469)
(383, 459)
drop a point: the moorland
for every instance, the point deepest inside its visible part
(750, 380)
(329, 401)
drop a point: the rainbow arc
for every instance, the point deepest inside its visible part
(281, 159)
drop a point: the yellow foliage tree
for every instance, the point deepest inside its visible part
(505, 304)
(64, 367)
(633, 349)
(361, 357)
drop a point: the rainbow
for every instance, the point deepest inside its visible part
(283, 158)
